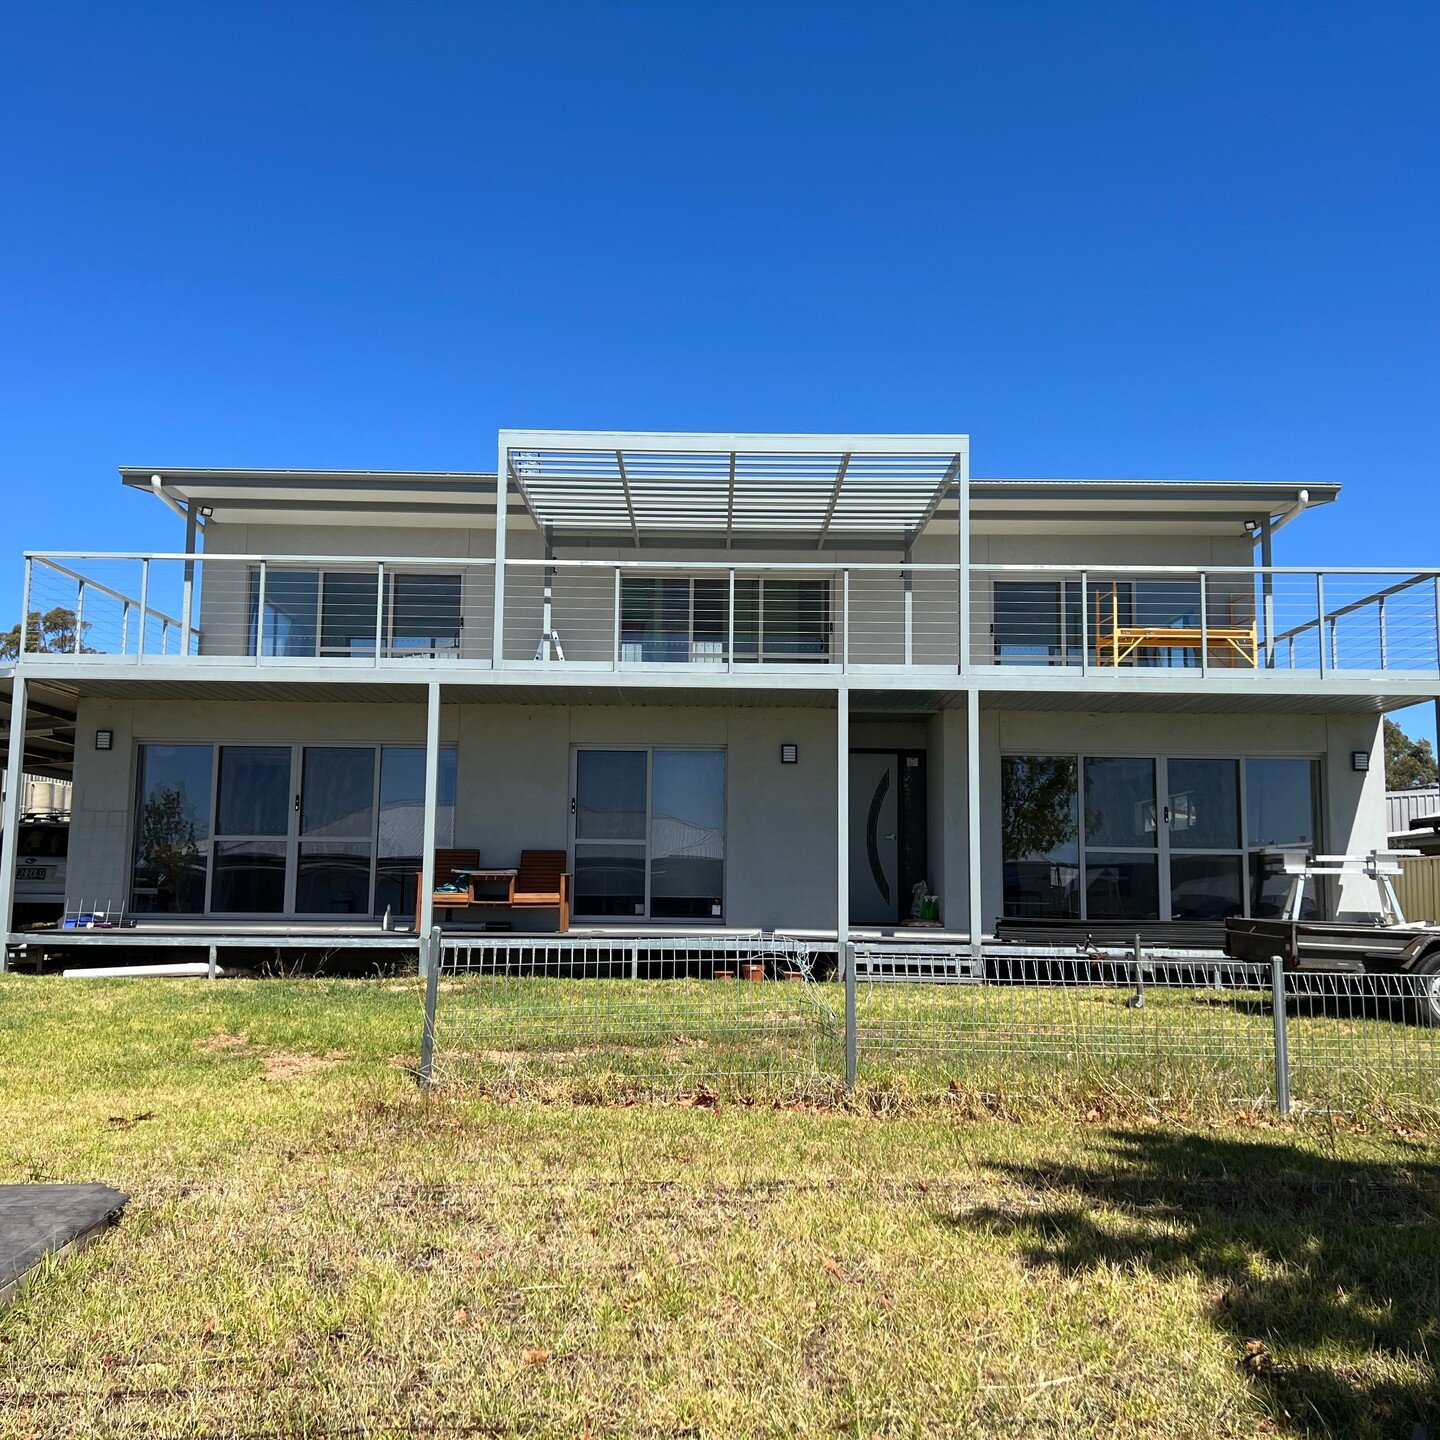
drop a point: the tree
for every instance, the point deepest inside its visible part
(169, 846)
(50, 631)
(1408, 763)
(1037, 806)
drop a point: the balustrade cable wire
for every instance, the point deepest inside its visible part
(634, 614)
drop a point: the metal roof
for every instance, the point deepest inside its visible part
(812, 487)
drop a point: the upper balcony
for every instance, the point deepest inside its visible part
(705, 622)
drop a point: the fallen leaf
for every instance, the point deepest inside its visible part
(536, 1357)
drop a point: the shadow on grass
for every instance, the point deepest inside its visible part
(1325, 1272)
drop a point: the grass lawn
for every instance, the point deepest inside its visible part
(314, 1247)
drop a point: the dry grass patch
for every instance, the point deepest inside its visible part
(350, 1256)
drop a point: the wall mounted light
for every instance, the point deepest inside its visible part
(789, 753)
(1360, 761)
(104, 739)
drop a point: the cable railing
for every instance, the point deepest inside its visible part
(1143, 619)
(734, 616)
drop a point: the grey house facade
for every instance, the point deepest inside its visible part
(805, 683)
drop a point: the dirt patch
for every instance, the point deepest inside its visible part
(292, 1065)
(214, 1044)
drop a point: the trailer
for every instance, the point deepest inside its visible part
(1387, 945)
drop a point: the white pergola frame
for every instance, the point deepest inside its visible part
(635, 485)
(629, 483)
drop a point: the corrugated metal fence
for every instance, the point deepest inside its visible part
(1418, 889)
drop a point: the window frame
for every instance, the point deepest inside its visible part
(1164, 850)
(761, 655)
(644, 846)
(292, 837)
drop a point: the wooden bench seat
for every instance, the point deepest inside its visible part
(541, 883)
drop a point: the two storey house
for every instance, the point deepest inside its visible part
(804, 683)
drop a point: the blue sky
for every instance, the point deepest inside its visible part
(1147, 239)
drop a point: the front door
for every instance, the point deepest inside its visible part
(874, 838)
(887, 834)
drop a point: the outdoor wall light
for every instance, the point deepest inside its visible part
(1360, 761)
(104, 739)
(789, 753)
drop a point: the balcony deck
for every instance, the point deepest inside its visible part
(786, 628)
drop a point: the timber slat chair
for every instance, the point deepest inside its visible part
(447, 862)
(542, 884)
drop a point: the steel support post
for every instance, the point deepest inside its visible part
(14, 791)
(962, 487)
(187, 604)
(842, 832)
(972, 820)
(502, 504)
(425, 911)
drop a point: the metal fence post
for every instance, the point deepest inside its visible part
(430, 964)
(852, 1048)
(1282, 1037)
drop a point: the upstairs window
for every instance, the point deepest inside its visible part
(324, 613)
(684, 621)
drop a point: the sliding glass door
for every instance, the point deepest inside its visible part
(337, 830)
(1119, 838)
(333, 613)
(317, 830)
(649, 833)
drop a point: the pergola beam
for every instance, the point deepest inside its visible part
(629, 499)
(834, 499)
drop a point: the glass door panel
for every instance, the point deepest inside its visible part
(337, 820)
(1122, 840)
(401, 823)
(1120, 885)
(290, 624)
(687, 834)
(1120, 803)
(347, 613)
(1204, 804)
(1282, 807)
(611, 800)
(1206, 887)
(425, 615)
(1206, 866)
(172, 828)
(1040, 830)
(252, 828)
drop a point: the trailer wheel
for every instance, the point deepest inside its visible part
(1427, 1001)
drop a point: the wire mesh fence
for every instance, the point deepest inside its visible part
(1013, 1029)
(1039, 1027)
(1363, 1042)
(609, 1019)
